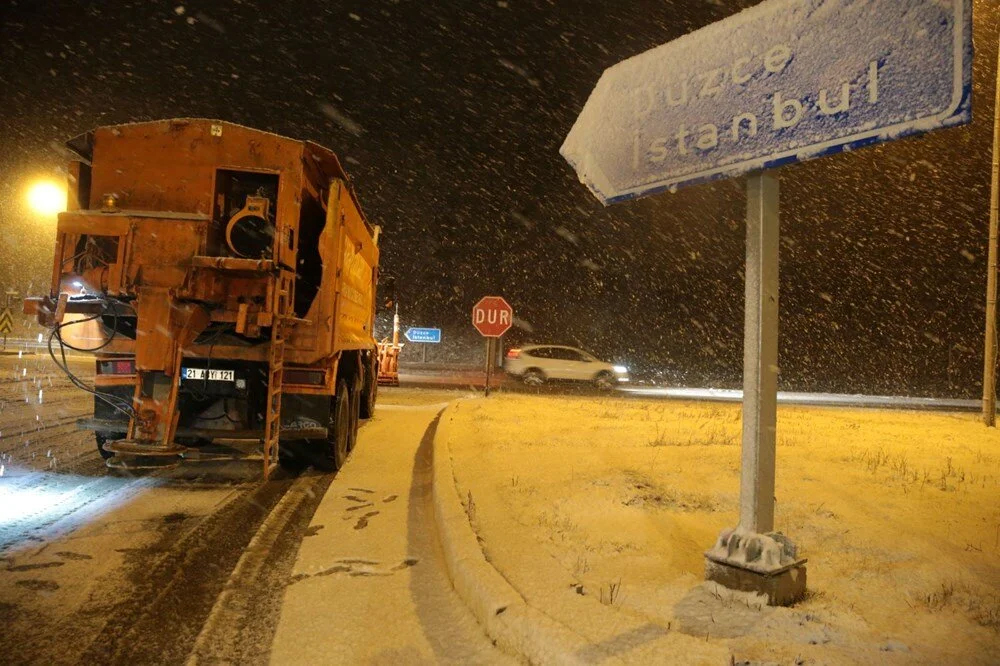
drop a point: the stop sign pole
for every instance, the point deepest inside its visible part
(492, 316)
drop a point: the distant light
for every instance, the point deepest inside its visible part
(46, 197)
(78, 284)
(620, 369)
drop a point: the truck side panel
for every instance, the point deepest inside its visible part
(357, 258)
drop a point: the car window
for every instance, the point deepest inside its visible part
(565, 354)
(540, 352)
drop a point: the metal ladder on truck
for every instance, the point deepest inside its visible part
(282, 317)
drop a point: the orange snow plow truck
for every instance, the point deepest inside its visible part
(225, 279)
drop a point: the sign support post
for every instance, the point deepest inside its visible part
(760, 354)
(752, 556)
(990, 353)
(489, 364)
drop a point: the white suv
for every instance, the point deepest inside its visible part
(535, 364)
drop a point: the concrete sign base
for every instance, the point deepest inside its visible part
(763, 563)
(782, 589)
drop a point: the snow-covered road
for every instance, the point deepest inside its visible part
(370, 585)
(191, 565)
(414, 375)
(802, 398)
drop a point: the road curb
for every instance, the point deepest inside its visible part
(515, 626)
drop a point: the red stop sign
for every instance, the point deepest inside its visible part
(492, 316)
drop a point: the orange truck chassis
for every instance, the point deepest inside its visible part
(225, 279)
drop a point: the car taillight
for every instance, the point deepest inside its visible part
(514, 353)
(126, 367)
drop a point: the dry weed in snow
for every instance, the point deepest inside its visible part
(898, 513)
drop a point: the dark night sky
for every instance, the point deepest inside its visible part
(449, 115)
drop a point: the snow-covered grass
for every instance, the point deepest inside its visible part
(419, 397)
(599, 510)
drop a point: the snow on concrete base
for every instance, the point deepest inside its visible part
(515, 626)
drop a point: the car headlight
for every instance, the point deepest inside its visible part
(620, 369)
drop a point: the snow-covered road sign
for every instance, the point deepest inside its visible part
(785, 81)
(428, 335)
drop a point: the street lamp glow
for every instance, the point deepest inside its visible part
(46, 197)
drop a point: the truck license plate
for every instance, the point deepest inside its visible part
(213, 375)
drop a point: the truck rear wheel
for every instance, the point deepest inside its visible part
(369, 390)
(333, 455)
(355, 406)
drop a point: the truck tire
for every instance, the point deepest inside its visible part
(369, 391)
(332, 456)
(355, 406)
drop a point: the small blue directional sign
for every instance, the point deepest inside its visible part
(784, 81)
(431, 335)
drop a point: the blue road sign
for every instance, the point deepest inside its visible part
(784, 81)
(432, 335)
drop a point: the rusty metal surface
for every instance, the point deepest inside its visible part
(356, 255)
(150, 230)
(388, 364)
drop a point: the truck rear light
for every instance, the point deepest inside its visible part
(514, 353)
(119, 367)
(306, 377)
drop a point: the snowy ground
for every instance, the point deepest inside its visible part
(598, 511)
(369, 585)
(191, 565)
(38, 412)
